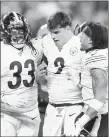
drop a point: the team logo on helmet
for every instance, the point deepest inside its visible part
(73, 51)
(35, 53)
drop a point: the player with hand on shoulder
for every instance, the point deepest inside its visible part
(63, 59)
(20, 56)
(94, 79)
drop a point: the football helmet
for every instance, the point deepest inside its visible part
(16, 29)
(43, 31)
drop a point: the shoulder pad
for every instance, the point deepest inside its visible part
(37, 43)
(97, 59)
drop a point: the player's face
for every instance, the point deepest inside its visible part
(17, 38)
(59, 35)
(86, 42)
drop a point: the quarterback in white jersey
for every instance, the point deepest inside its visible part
(63, 70)
(63, 56)
(20, 57)
(94, 41)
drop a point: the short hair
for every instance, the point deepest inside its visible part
(98, 34)
(59, 19)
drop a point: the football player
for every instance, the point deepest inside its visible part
(43, 31)
(63, 56)
(20, 56)
(94, 41)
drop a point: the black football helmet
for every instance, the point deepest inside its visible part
(16, 29)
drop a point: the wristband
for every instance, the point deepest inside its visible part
(83, 120)
(96, 104)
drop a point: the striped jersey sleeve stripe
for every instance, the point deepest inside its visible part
(95, 61)
(99, 56)
(95, 58)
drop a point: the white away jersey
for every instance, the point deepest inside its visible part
(63, 70)
(18, 72)
(93, 59)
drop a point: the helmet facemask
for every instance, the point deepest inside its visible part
(17, 36)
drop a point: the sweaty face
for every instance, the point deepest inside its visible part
(59, 36)
(17, 38)
(86, 42)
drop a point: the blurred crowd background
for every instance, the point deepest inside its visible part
(38, 13)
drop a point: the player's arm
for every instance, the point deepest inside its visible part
(41, 77)
(41, 72)
(7, 108)
(99, 84)
(11, 103)
(41, 63)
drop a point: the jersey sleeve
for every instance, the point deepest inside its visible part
(46, 42)
(39, 50)
(98, 60)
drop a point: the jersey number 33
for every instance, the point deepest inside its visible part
(17, 74)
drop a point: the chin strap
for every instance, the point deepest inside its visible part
(20, 49)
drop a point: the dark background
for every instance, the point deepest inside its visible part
(38, 13)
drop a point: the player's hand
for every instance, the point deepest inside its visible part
(80, 121)
(78, 129)
(76, 132)
(41, 72)
(15, 100)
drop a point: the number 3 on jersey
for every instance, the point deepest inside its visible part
(59, 62)
(17, 74)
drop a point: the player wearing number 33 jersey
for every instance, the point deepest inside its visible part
(18, 74)
(20, 57)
